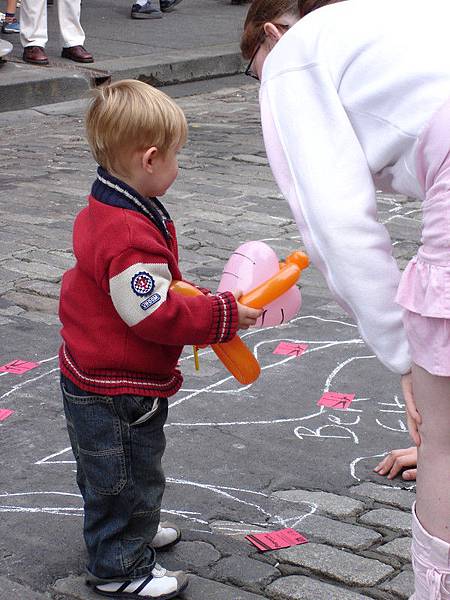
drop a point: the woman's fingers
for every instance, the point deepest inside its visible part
(409, 475)
(396, 461)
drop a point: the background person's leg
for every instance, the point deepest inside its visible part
(69, 23)
(33, 21)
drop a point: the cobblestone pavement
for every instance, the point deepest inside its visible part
(238, 459)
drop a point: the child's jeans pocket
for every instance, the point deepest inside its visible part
(96, 431)
(145, 409)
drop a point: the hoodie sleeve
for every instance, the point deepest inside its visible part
(322, 171)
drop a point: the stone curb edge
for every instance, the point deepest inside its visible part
(60, 85)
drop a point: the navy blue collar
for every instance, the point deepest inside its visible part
(114, 192)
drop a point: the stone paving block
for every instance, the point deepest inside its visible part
(32, 302)
(344, 567)
(244, 572)
(337, 533)
(387, 518)
(332, 504)
(251, 158)
(204, 589)
(10, 589)
(34, 270)
(402, 585)
(296, 587)
(386, 494)
(41, 317)
(189, 556)
(41, 288)
(399, 548)
(74, 588)
(62, 260)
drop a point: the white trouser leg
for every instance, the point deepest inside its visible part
(69, 23)
(33, 23)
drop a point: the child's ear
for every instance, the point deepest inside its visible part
(148, 159)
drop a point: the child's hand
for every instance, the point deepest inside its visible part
(398, 460)
(247, 316)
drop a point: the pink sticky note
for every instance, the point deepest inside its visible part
(290, 349)
(18, 366)
(336, 400)
(284, 538)
(5, 413)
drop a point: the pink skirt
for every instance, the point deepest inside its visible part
(424, 289)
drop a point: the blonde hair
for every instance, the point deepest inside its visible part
(130, 115)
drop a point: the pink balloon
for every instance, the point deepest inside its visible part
(251, 264)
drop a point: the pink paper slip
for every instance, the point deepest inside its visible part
(5, 413)
(18, 366)
(290, 349)
(336, 400)
(284, 538)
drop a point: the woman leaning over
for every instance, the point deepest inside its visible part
(355, 96)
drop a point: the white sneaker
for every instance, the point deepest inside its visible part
(160, 585)
(167, 535)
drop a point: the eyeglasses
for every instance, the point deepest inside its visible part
(248, 71)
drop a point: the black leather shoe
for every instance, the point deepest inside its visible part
(168, 5)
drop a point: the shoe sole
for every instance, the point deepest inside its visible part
(86, 61)
(35, 62)
(139, 16)
(126, 596)
(10, 32)
(167, 546)
(167, 10)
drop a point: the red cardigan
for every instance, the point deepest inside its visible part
(123, 330)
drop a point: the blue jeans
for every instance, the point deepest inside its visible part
(118, 443)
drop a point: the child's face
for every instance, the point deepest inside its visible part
(164, 172)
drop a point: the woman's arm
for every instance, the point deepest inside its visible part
(322, 171)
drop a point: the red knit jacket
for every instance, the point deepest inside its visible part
(123, 329)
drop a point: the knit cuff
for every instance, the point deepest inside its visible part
(225, 320)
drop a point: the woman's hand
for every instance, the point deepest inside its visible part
(412, 415)
(397, 461)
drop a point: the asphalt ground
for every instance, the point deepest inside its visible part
(229, 448)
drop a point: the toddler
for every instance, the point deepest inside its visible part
(123, 331)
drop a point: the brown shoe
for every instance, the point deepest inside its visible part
(78, 54)
(35, 55)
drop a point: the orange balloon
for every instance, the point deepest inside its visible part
(235, 355)
(278, 284)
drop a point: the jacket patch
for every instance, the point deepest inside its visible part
(149, 302)
(140, 290)
(142, 283)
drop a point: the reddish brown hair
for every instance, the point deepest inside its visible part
(267, 11)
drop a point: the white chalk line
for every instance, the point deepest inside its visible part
(18, 386)
(264, 368)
